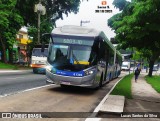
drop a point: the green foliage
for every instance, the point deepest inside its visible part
(138, 26)
(6, 66)
(16, 13)
(59, 7)
(119, 4)
(124, 87)
(10, 23)
(138, 22)
(26, 9)
(154, 81)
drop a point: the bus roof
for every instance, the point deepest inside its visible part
(76, 31)
(82, 31)
(109, 43)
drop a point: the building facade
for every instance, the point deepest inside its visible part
(22, 45)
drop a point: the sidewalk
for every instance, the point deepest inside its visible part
(145, 99)
(144, 91)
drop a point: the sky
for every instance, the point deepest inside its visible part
(87, 13)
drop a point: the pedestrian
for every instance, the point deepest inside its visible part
(136, 73)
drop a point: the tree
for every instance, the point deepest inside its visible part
(10, 23)
(54, 10)
(138, 26)
(26, 9)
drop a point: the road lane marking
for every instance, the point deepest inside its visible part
(16, 78)
(27, 90)
(10, 71)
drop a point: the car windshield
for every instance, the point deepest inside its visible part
(155, 65)
(39, 53)
(70, 54)
(124, 66)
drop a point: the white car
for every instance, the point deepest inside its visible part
(125, 67)
(155, 67)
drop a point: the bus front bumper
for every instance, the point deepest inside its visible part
(85, 81)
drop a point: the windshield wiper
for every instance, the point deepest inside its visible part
(75, 58)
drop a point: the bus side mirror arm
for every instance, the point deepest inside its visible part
(48, 34)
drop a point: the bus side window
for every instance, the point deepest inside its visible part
(107, 55)
(101, 51)
(94, 52)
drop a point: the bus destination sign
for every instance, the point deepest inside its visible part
(73, 41)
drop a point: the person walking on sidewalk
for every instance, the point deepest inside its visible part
(136, 73)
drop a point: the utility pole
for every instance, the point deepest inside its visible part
(41, 10)
(39, 21)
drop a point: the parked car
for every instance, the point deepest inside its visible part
(20, 62)
(156, 67)
(125, 66)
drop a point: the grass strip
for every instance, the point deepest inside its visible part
(124, 87)
(7, 66)
(154, 81)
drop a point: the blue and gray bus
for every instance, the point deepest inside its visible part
(81, 56)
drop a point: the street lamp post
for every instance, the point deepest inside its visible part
(41, 10)
(39, 21)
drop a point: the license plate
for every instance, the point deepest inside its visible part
(65, 82)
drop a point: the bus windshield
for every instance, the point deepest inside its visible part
(69, 54)
(81, 53)
(37, 52)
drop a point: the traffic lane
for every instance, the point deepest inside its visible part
(20, 78)
(55, 99)
(14, 72)
(15, 83)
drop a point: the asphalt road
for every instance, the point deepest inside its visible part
(15, 81)
(51, 98)
(56, 102)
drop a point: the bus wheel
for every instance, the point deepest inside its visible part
(110, 77)
(64, 86)
(101, 80)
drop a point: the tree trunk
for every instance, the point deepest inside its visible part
(151, 63)
(10, 55)
(4, 58)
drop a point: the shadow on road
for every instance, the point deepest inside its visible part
(73, 90)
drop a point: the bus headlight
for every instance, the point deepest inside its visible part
(48, 67)
(33, 61)
(89, 72)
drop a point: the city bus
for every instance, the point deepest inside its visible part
(39, 59)
(81, 56)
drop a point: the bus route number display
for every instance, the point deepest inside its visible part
(72, 41)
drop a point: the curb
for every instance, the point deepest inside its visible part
(96, 110)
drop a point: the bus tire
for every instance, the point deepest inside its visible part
(101, 80)
(110, 78)
(64, 86)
